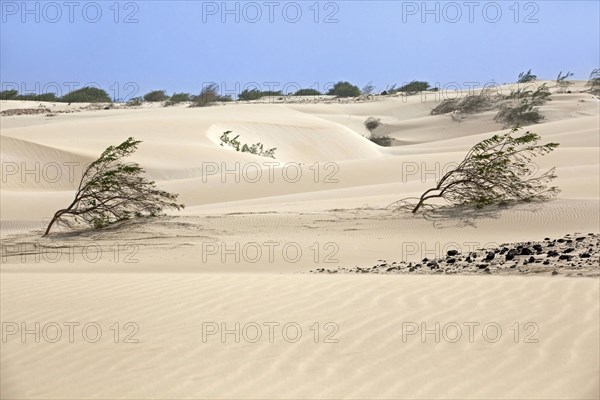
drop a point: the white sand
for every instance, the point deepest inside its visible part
(176, 286)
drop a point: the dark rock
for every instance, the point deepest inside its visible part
(585, 255)
(537, 247)
(526, 251)
(561, 240)
(554, 273)
(553, 253)
(569, 250)
(546, 262)
(531, 259)
(490, 256)
(482, 266)
(511, 254)
(452, 252)
(581, 238)
(565, 257)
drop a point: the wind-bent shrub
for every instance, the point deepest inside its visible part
(307, 92)
(470, 104)
(111, 190)
(135, 101)
(368, 89)
(525, 77)
(594, 82)
(562, 83)
(156, 96)
(384, 140)
(87, 95)
(495, 171)
(344, 89)
(521, 113)
(256, 149)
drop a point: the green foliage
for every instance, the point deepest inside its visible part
(413, 87)
(156, 96)
(180, 97)
(307, 92)
(87, 95)
(594, 82)
(256, 94)
(523, 109)
(344, 89)
(8, 94)
(111, 191)
(256, 149)
(497, 170)
(525, 77)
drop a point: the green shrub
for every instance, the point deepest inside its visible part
(256, 94)
(87, 95)
(562, 83)
(307, 92)
(519, 113)
(179, 98)
(156, 96)
(256, 149)
(135, 101)
(8, 94)
(470, 104)
(413, 87)
(344, 89)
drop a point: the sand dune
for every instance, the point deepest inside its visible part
(330, 186)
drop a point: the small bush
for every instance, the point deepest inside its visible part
(525, 77)
(87, 95)
(209, 95)
(135, 101)
(179, 98)
(307, 92)
(156, 96)
(384, 141)
(344, 89)
(519, 113)
(368, 89)
(562, 83)
(256, 94)
(372, 123)
(8, 94)
(470, 104)
(413, 87)
(256, 149)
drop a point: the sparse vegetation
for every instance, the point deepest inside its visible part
(344, 89)
(156, 96)
(180, 97)
(523, 109)
(135, 102)
(112, 190)
(371, 124)
(368, 89)
(562, 83)
(470, 104)
(594, 82)
(256, 149)
(209, 95)
(495, 171)
(525, 77)
(384, 140)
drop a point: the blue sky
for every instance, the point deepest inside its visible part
(131, 47)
